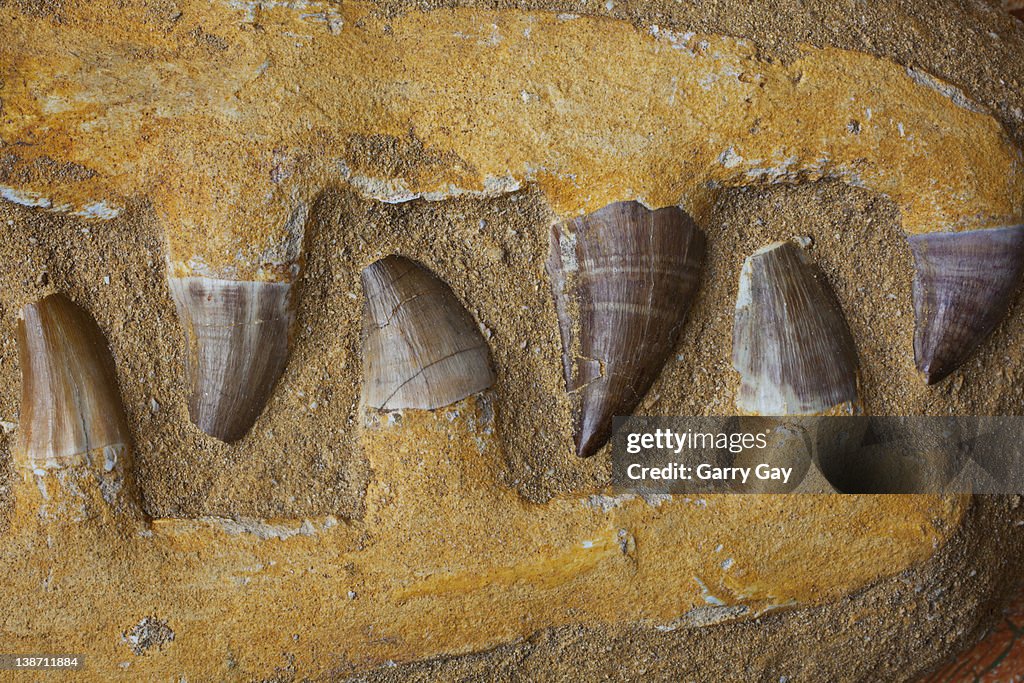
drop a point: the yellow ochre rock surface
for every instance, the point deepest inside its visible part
(445, 561)
(232, 119)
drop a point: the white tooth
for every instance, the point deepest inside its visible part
(70, 403)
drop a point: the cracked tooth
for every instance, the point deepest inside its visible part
(623, 279)
(71, 410)
(791, 344)
(421, 347)
(963, 285)
(237, 336)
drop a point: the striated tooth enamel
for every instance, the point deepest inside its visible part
(421, 347)
(963, 285)
(71, 410)
(236, 347)
(623, 279)
(791, 344)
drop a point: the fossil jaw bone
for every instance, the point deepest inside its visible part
(237, 336)
(421, 347)
(623, 278)
(791, 344)
(963, 285)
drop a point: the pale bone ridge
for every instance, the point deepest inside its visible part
(791, 344)
(831, 113)
(421, 347)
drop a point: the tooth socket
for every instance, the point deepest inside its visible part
(886, 455)
(71, 410)
(623, 279)
(421, 347)
(237, 337)
(963, 285)
(791, 345)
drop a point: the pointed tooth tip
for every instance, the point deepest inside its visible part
(623, 279)
(589, 440)
(768, 248)
(422, 349)
(964, 283)
(237, 338)
(932, 377)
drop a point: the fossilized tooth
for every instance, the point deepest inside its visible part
(71, 410)
(421, 347)
(623, 279)
(237, 341)
(963, 285)
(791, 344)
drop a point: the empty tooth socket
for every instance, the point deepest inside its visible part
(879, 455)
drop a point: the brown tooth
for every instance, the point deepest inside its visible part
(71, 410)
(963, 284)
(236, 348)
(623, 278)
(791, 344)
(421, 347)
